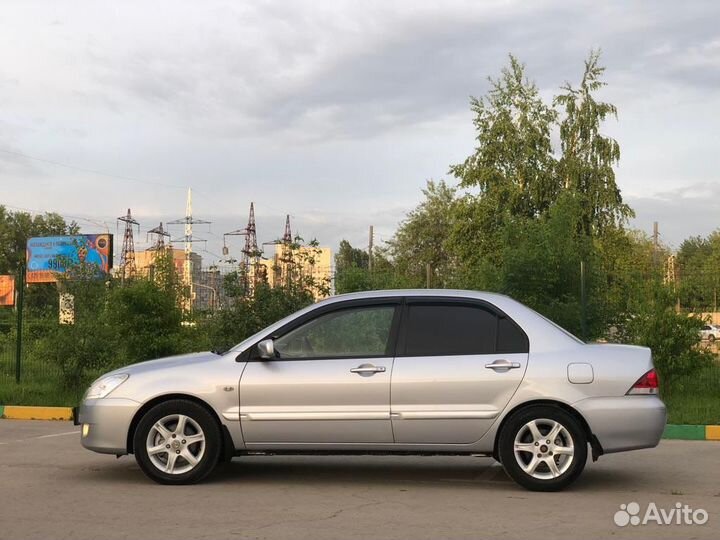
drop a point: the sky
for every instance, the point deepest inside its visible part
(335, 112)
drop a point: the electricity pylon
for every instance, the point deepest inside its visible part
(127, 256)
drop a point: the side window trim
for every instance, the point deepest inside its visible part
(401, 349)
(250, 354)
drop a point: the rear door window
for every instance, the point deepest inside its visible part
(446, 329)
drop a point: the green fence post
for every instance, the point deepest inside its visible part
(583, 302)
(18, 342)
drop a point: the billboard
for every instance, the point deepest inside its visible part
(49, 256)
(7, 290)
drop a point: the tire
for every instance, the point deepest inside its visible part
(536, 472)
(711, 338)
(196, 445)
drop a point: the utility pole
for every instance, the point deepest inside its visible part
(428, 276)
(188, 240)
(18, 337)
(371, 239)
(656, 242)
(127, 256)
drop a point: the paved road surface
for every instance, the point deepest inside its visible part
(50, 487)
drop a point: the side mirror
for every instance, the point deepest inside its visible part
(266, 349)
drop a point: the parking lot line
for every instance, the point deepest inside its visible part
(42, 437)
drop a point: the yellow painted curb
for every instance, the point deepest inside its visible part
(17, 412)
(712, 433)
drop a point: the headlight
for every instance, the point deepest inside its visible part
(103, 386)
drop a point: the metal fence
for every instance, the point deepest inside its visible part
(7, 348)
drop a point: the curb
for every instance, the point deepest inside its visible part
(692, 433)
(15, 412)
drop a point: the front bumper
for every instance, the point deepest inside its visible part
(106, 423)
(624, 423)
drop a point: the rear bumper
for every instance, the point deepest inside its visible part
(624, 423)
(108, 421)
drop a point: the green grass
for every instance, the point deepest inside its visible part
(46, 393)
(40, 383)
(695, 399)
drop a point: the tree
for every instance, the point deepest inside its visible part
(384, 275)
(625, 260)
(699, 272)
(164, 275)
(15, 230)
(350, 257)
(422, 238)
(88, 347)
(513, 160)
(535, 217)
(541, 266)
(352, 279)
(512, 168)
(586, 165)
(17, 227)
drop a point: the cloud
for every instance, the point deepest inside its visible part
(683, 212)
(335, 111)
(348, 71)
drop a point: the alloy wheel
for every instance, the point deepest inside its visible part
(544, 448)
(175, 444)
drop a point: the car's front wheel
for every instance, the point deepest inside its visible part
(543, 448)
(177, 442)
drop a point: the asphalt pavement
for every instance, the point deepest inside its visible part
(52, 488)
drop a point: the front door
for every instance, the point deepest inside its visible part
(458, 365)
(330, 382)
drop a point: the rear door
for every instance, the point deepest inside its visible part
(458, 364)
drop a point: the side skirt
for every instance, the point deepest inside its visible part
(354, 453)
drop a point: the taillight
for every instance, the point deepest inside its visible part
(647, 384)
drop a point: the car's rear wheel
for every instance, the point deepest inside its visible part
(177, 442)
(543, 448)
(711, 337)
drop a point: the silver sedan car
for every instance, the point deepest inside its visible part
(411, 372)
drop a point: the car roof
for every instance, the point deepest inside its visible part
(385, 293)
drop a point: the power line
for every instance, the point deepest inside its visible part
(99, 221)
(91, 171)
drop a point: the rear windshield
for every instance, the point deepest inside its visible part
(568, 334)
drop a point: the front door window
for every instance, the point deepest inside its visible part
(353, 332)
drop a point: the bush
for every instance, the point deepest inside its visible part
(673, 337)
(146, 321)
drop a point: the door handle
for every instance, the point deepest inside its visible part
(502, 365)
(368, 369)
